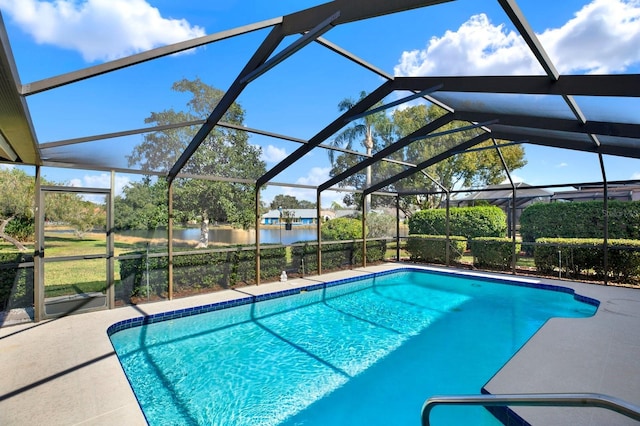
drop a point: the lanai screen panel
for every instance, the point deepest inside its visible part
(439, 158)
(101, 154)
(314, 90)
(629, 147)
(560, 139)
(84, 109)
(613, 109)
(552, 106)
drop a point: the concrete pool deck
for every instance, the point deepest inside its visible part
(65, 372)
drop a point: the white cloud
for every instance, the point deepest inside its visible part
(98, 29)
(636, 175)
(272, 154)
(515, 178)
(561, 165)
(102, 180)
(601, 38)
(315, 177)
(477, 47)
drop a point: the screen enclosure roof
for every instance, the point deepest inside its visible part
(547, 109)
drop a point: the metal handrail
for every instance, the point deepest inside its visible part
(538, 400)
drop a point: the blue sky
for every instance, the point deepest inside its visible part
(300, 96)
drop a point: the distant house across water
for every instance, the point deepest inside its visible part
(295, 216)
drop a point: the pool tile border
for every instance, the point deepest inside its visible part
(186, 312)
(520, 282)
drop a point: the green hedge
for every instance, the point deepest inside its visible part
(376, 251)
(197, 271)
(580, 220)
(470, 222)
(493, 252)
(16, 284)
(579, 255)
(335, 256)
(432, 248)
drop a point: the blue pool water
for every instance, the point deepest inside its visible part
(367, 352)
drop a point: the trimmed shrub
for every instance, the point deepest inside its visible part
(195, 271)
(493, 252)
(576, 255)
(335, 256)
(571, 254)
(624, 259)
(580, 220)
(470, 222)
(304, 258)
(16, 284)
(375, 251)
(432, 248)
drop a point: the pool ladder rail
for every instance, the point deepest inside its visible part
(536, 399)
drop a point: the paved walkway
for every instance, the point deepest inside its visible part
(600, 354)
(65, 372)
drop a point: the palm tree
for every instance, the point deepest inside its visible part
(366, 130)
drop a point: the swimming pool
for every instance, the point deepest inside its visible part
(366, 351)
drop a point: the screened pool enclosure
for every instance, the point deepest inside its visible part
(593, 115)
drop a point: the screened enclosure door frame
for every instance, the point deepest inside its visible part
(40, 302)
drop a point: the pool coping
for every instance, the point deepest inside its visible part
(65, 371)
(598, 354)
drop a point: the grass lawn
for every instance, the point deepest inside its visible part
(392, 252)
(89, 275)
(75, 277)
(78, 276)
(523, 261)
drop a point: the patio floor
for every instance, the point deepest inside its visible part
(65, 372)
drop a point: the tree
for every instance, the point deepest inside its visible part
(380, 225)
(142, 205)
(73, 210)
(371, 130)
(335, 206)
(16, 201)
(342, 228)
(469, 169)
(290, 202)
(225, 153)
(17, 207)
